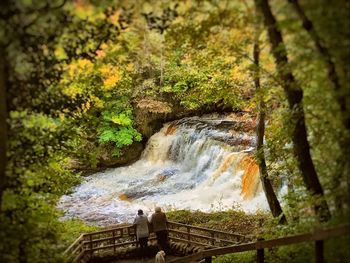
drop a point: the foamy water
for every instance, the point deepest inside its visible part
(186, 165)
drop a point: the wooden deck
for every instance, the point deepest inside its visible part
(200, 243)
(147, 260)
(118, 240)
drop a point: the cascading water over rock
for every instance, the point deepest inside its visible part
(193, 163)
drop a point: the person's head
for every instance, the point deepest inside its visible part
(140, 212)
(157, 209)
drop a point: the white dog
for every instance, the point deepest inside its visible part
(160, 257)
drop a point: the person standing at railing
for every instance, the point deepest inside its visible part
(159, 225)
(142, 231)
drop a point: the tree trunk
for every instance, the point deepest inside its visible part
(341, 100)
(294, 95)
(271, 197)
(162, 60)
(323, 50)
(3, 124)
(22, 252)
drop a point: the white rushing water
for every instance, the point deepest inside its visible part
(194, 164)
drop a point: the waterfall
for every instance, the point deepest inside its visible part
(193, 163)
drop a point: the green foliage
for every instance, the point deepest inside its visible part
(41, 42)
(121, 119)
(71, 229)
(117, 127)
(335, 252)
(201, 73)
(32, 212)
(232, 220)
(120, 137)
(246, 257)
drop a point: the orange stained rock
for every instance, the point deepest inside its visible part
(161, 178)
(171, 129)
(224, 165)
(123, 197)
(250, 179)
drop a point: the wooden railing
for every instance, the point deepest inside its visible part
(203, 236)
(317, 236)
(110, 239)
(96, 242)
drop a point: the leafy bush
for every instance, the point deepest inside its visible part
(117, 127)
(71, 229)
(233, 220)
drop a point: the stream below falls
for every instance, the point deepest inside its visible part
(194, 163)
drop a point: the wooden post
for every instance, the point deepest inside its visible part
(91, 252)
(113, 242)
(189, 235)
(260, 253)
(319, 251)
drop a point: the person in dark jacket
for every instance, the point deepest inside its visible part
(159, 225)
(142, 231)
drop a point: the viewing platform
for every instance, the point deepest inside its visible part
(187, 244)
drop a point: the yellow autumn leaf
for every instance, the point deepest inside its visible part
(100, 53)
(106, 70)
(80, 67)
(85, 63)
(104, 46)
(115, 18)
(111, 81)
(71, 69)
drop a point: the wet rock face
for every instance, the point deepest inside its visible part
(106, 160)
(150, 114)
(129, 155)
(232, 132)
